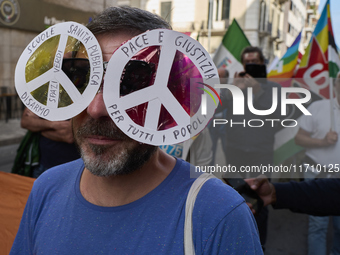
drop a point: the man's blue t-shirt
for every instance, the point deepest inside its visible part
(58, 220)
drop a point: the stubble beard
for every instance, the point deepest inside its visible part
(121, 161)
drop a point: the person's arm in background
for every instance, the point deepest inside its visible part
(60, 131)
(320, 197)
(304, 139)
(247, 81)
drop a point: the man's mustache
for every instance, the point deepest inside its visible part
(105, 128)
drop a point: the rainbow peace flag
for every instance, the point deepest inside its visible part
(283, 71)
(321, 60)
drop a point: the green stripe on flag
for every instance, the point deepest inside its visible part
(333, 69)
(290, 58)
(235, 40)
(286, 151)
(333, 61)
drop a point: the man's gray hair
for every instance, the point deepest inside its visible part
(126, 19)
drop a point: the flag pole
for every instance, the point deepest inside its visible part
(210, 22)
(331, 97)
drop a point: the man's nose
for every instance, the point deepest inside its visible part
(97, 108)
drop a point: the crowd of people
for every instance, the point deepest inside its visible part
(254, 146)
(317, 134)
(106, 192)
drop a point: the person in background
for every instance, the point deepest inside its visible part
(123, 196)
(247, 145)
(300, 197)
(320, 138)
(56, 143)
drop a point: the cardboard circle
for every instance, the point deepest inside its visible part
(52, 81)
(158, 95)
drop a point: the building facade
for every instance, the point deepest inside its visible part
(271, 25)
(312, 18)
(22, 20)
(295, 15)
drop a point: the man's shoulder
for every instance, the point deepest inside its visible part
(219, 206)
(59, 175)
(214, 194)
(217, 197)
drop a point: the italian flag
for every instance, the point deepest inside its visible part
(228, 54)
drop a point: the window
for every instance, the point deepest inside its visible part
(225, 9)
(217, 10)
(220, 11)
(166, 10)
(263, 16)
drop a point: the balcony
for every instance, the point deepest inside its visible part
(265, 29)
(220, 24)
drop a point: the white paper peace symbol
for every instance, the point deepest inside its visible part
(54, 77)
(158, 94)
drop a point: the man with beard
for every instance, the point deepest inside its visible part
(124, 197)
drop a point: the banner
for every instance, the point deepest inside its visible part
(319, 63)
(321, 60)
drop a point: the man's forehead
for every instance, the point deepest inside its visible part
(251, 55)
(108, 42)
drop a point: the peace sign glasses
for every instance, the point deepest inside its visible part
(136, 75)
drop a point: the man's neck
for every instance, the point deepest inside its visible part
(124, 189)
